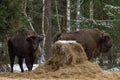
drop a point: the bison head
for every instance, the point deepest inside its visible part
(34, 41)
(33, 38)
(105, 42)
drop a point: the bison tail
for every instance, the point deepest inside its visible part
(10, 47)
(56, 37)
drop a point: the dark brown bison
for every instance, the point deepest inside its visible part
(93, 41)
(24, 46)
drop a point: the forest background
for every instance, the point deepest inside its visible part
(48, 17)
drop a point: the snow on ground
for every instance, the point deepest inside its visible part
(115, 69)
(16, 67)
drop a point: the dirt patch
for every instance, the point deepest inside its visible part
(68, 61)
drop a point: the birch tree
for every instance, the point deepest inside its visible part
(79, 2)
(25, 5)
(42, 60)
(91, 10)
(78, 15)
(43, 22)
(68, 16)
(47, 27)
(58, 20)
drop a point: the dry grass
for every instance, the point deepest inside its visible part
(68, 61)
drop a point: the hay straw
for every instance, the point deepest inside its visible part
(67, 61)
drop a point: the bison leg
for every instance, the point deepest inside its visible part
(20, 61)
(11, 54)
(29, 63)
(12, 59)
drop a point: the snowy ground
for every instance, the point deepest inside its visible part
(17, 67)
(115, 69)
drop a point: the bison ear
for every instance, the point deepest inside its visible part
(99, 33)
(104, 37)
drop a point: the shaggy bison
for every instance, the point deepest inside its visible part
(93, 41)
(23, 46)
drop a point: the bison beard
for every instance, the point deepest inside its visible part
(24, 46)
(94, 41)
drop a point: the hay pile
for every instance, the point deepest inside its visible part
(67, 61)
(65, 54)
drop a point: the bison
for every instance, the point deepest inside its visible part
(93, 41)
(24, 46)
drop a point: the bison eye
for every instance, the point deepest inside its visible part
(40, 39)
(107, 38)
(29, 39)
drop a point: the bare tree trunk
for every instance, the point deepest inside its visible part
(79, 2)
(68, 16)
(47, 26)
(25, 5)
(91, 10)
(43, 24)
(78, 15)
(42, 59)
(58, 20)
(91, 13)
